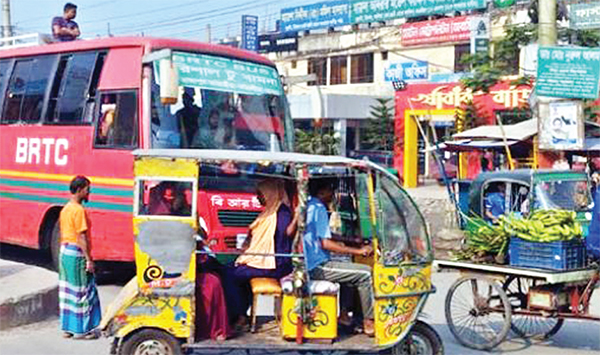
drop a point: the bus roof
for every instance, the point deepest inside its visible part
(148, 43)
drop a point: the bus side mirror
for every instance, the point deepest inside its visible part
(169, 82)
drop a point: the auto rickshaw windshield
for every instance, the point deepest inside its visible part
(570, 195)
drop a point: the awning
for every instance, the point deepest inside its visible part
(462, 145)
(517, 132)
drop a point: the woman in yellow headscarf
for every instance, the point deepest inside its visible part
(271, 233)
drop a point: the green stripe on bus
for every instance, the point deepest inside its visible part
(61, 201)
(52, 186)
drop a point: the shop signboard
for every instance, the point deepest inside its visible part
(568, 72)
(454, 29)
(407, 71)
(480, 34)
(320, 15)
(278, 42)
(584, 16)
(378, 10)
(503, 3)
(250, 32)
(562, 128)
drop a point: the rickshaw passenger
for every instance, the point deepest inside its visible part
(318, 245)
(270, 233)
(495, 204)
(166, 199)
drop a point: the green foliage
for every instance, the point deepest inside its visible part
(316, 142)
(379, 133)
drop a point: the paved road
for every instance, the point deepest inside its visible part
(575, 338)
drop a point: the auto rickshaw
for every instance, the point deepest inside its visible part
(155, 312)
(528, 190)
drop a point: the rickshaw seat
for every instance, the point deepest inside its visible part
(267, 287)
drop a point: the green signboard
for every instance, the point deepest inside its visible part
(585, 16)
(503, 3)
(224, 74)
(382, 10)
(568, 72)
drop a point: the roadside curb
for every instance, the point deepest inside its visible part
(29, 309)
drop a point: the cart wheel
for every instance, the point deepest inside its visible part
(422, 340)
(150, 342)
(527, 326)
(478, 312)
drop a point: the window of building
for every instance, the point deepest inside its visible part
(294, 64)
(362, 68)
(339, 70)
(318, 66)
(27, 89)
(384, 55)
(117, 124)
(461, 51)
(74, 87)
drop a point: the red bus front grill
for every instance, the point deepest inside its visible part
(236, 218)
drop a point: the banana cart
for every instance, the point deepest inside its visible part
(489, 300)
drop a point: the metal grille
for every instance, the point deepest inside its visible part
(229, 218)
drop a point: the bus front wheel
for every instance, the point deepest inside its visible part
(150, 341)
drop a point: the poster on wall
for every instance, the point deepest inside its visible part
(562, 127)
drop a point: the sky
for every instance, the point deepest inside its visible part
(185, 19)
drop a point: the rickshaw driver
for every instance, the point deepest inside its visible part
(318, 244)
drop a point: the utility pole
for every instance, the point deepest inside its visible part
(546, 37)
(6, 26)
(208, 34)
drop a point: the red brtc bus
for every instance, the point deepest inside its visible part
(82, 107)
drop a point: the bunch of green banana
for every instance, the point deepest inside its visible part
(482, 240)
(543, 226)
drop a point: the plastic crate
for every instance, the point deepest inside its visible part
(561, 255)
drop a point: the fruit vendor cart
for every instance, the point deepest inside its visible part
(488, 300)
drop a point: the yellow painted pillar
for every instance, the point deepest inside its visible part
(462, 165)
(411, 156)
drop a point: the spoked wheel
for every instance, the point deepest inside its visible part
(422, 340)
(528, 326)
(478, 312)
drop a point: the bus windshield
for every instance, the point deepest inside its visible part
(223, 104)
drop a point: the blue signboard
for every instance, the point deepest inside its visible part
(320, 15)
(406, 71)
(250, 33)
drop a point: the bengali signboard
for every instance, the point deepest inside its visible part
(562, 128)
(224, 74)
(315, 16)
(407, 71)
(278, 42)
(382, 10)
(584, 16)
(480, 34)
(453, 29)
(568, 72)
(250, 32)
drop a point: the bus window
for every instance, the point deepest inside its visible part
(27, 88)
(75, 87)
(117, 123)
(5, 66)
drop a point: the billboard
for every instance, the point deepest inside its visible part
(407, 71)
(315, 16)
(250, 32)
(378, 10)
(454, 29)
(278, 42)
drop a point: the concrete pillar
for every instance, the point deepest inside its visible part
(339, 127)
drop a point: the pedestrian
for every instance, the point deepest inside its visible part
(78, 297)
(64, 29)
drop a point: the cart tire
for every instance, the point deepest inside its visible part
(422, 340)
(525, 326)
(150, 341)
(469, 312)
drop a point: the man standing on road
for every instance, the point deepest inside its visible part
(64, 29)
(78, 297)
(318, 245)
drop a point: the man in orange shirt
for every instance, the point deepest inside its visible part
(78, 296)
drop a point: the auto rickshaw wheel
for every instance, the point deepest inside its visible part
(478, 312)
(526, 326)
(150, 342)
(422, 340)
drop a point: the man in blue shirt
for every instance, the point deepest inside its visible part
(64, 28)
(495, 204)
(318, 245)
